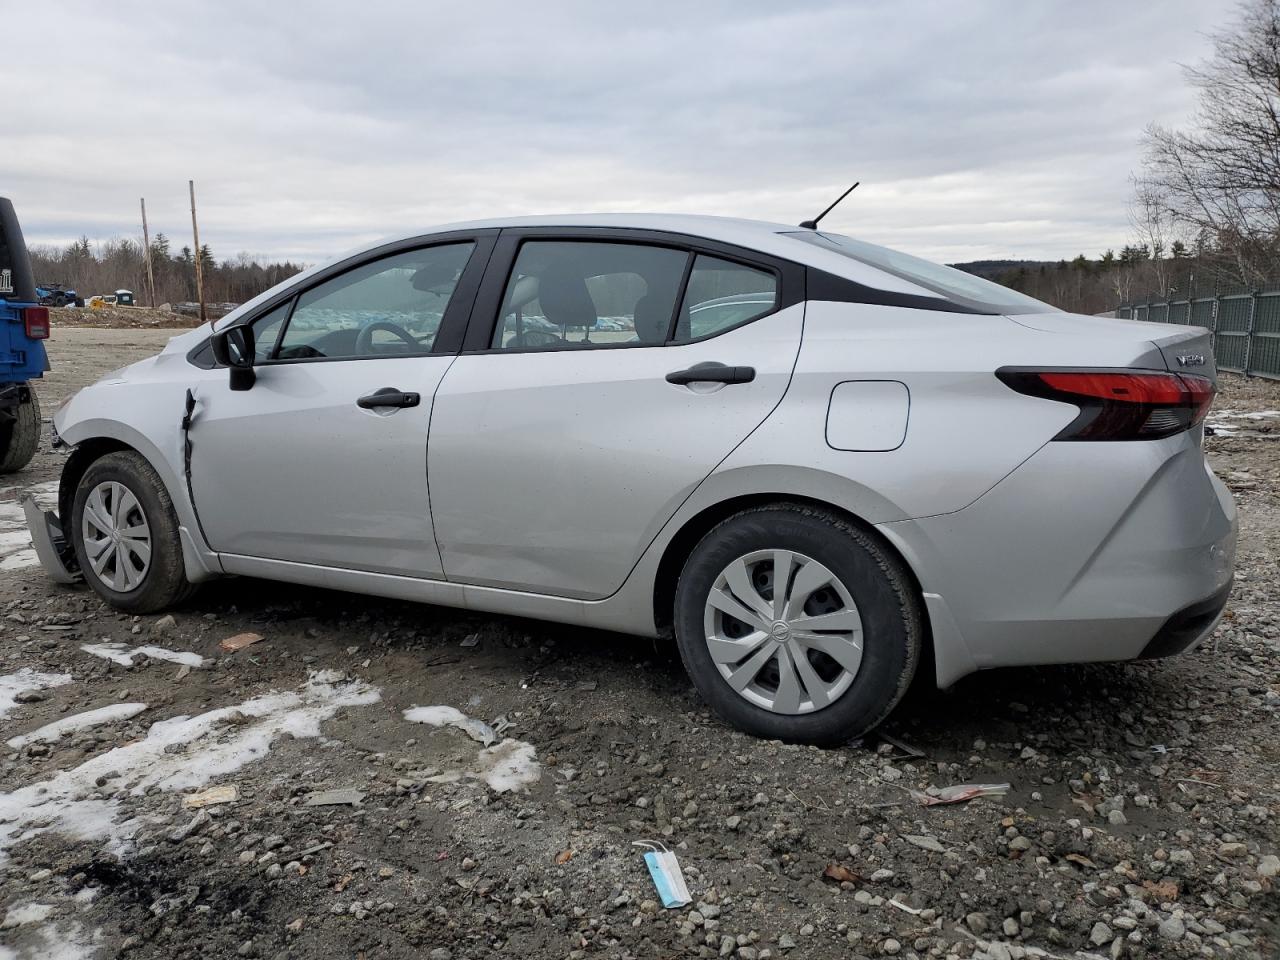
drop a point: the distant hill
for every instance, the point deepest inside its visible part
(990, 269)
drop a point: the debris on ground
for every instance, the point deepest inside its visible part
(349, 796)
(667, 876)
(214, 796)
(240, 641)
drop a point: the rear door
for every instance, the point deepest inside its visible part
(605, 375)
(323, 460)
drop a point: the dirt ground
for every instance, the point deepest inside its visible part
(1140, 821)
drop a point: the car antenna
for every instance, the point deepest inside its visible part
(813, 224)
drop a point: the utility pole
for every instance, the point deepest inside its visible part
(195, 232)
(146, 242)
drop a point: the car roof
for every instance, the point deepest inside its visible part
(760, 235)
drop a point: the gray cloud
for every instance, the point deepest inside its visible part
(988, 128)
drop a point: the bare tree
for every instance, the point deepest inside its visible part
(1221, 177)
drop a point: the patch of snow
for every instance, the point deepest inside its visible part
(27, 679)
(16, 552)
(53, 942)
(79, 721)
(27, 913)
(121, 653)
(509, 765)
(441, 716)
(176, 754)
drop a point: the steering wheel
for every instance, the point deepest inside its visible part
(535, 338)
(364, 342)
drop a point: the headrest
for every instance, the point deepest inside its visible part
(652, 316)
(562, 291)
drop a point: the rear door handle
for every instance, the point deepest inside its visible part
(388, 397)
(712, 373)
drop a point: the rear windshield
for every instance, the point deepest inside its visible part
(955, 285)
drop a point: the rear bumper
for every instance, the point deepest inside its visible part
(1186, 628)
(1087, 552)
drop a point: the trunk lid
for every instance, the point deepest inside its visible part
(1173, 347)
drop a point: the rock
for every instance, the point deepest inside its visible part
(1100, 934)
(1269, 866)
(924, 842)
(178, 834)
(1172, 929)
(977, 922)
(1010, 927)
(890, 947)
(440, 953)
(785, 942)
(1020, 843)
(1117, 818)
(28, 696)
(1233, 851)
(165, 624)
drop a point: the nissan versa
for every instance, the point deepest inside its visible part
(820, 462)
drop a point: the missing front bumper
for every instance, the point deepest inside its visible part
(55, 553)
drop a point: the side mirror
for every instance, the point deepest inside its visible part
(233, 348)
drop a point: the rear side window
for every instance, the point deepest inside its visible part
(389, 307)
(721, 295)
(589, 294)
(964, 289)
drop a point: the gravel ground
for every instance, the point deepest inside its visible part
(1141, 818)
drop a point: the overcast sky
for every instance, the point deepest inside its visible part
(984, 128)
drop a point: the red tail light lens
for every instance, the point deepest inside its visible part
(36, 322)
(1119, 404)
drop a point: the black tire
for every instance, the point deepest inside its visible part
(164, 582)
(876, 579)
(19, 438)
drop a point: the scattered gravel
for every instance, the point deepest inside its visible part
(1141, 819)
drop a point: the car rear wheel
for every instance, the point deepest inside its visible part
(20, 437)
(797, 625)
(126, 535)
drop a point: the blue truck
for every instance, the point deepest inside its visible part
(24, 326)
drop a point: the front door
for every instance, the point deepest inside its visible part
(615, 379)
(323, 459)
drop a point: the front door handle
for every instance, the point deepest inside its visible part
(712, 373)
(388, 397)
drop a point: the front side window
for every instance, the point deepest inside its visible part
(266, 331)
(589, 294)
(723, 294)
(390, 307)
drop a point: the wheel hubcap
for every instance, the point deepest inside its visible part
(117, 537)
(783, 631)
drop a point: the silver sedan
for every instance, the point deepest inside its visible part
(823, 465)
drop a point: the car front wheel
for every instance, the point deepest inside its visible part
(126, 535)
(797, 625)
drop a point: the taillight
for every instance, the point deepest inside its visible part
(1119, 404)
(36, 322)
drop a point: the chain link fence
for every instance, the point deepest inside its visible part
(1245, 325)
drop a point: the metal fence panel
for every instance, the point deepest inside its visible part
(1245, 325)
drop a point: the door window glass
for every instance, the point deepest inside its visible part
(721, 295)
(266, 331)
(390, 307)
(589, 294)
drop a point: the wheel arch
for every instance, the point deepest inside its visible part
(200, 561)
(700, 524)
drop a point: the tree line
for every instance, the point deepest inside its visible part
(119, 263)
